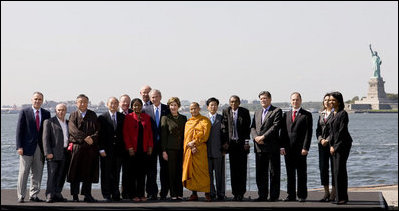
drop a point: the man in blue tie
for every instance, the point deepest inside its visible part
(156, 111)
(265, 129)
(30, 147)
(217, 147)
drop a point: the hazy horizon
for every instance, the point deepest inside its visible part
(195, 50)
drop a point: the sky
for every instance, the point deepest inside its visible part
(195, 50)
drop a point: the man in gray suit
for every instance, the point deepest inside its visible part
(55, 144)
(216, 151)
(265, 129)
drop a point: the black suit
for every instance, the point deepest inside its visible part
(342, 143)
(151, 186)
(111, 141)
(296, 136)
(238, 155)
(269, 152)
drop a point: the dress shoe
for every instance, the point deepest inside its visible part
(163, 198)
(75, 198)
(107, 199)
(235, 198)
(342, 202)
(260, 199)
(35, 199)
(61, 199)
(289, 199)
(143, 198)
(302, 200)
(49, 200)
(136, 199)
(20, 200)
(273, 199)
(89, 198)
(208, 197)
(116, 198)
(240, 198)
(221, 198)
(193, 198)
(152, 197)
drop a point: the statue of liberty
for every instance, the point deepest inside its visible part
(376, 63)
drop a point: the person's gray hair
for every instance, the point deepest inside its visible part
(153, 91)
(61, 104)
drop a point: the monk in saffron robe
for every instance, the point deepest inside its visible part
(195, 164)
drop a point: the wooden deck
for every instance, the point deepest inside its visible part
(358, 200)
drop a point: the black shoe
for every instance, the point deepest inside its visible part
(89, 198)
(116, 198)
(21, 200)
(235, 198)
(49, 200)
(240, 198)
(289, 199)
(342, 202)
(75, 198)
(107, 199)
(221, 198)
(35, 199)
(260, 199)
(152, 197)
(163, 198)
(273, 199)
(302, 200)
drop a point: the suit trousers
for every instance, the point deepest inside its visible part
(217, 165)
(340, 173)
(175, 170)
(56, 174)
(238, 168)
(268, 163)
(86, 188)
(296, 167)
(152, 186)
(110, 174)
(126, 186)
(325, 159)
(28, 164)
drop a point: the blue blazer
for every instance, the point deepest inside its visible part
(27, 135)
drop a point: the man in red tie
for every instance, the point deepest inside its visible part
(30, 147)
(296, 135)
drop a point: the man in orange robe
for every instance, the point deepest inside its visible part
(195, 164)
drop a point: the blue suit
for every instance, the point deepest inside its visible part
(27, 135)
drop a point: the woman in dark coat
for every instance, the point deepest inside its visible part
(340, 146)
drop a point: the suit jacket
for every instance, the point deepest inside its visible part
(296, 135)
(215, 140)
(156, 129)
(27, 135)
(270, 128)
(53, 138)
(323, 127)
(341, 139)
(110, 139)
(243, 124)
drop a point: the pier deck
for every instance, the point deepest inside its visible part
(358, 200)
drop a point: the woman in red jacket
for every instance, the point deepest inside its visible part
(137, 134)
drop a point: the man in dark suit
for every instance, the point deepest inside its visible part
(124, 104)
(265, 130)
(29, 145)
(156, 111)
(236, 129)
(55, 143)
(296, 134)
(112, 147)
(145, 95)
(216, 152)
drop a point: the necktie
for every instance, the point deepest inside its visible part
(213, 119)
(264, 115)
(114, 121)
(37, 120)
(293, 116)
(234, 127)
(157, 116)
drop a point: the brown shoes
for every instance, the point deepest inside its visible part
(193, 198)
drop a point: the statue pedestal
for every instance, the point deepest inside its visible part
(376, 96)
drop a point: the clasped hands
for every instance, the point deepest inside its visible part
(191, 144)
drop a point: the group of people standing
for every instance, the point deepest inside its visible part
(134, 134)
